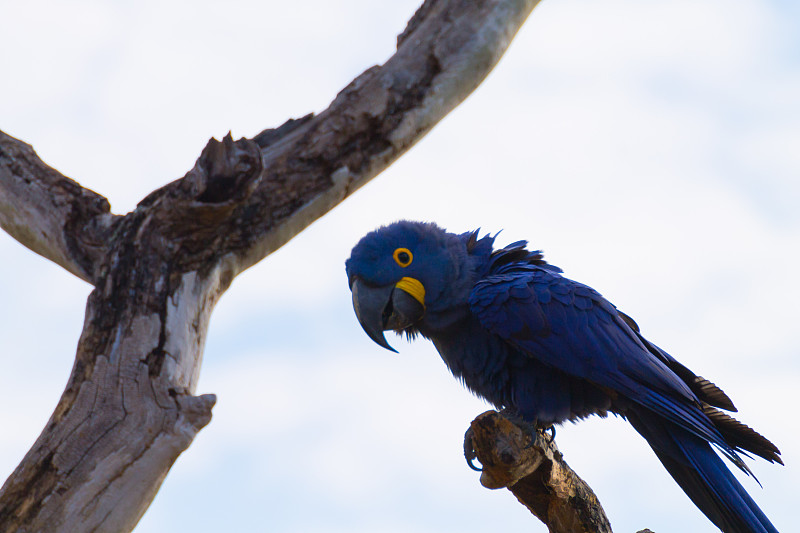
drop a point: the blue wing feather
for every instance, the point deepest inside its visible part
(571, 327)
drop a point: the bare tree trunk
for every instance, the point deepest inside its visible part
(129, 408)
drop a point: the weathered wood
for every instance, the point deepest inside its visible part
(536, 473)
(129, 409)
(49, 213)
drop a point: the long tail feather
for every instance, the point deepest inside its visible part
(702, 475)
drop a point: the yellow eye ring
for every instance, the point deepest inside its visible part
(403, 257)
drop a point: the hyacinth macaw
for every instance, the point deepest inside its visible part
(548, 349)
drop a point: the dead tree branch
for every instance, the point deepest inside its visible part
(536, 473)
(129, 408)
(49, 213)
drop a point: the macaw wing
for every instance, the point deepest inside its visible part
(571, 327)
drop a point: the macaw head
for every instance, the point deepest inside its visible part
(403, 275)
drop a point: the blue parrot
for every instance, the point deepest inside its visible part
(548, 349)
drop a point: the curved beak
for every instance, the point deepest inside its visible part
(383, 308)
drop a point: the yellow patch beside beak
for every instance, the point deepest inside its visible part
(414, 288)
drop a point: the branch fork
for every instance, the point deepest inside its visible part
(129, 408)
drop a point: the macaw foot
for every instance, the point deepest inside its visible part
(469, 450)
(529, 429)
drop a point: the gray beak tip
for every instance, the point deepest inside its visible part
(368, 303)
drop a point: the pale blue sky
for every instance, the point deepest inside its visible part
(651, 149)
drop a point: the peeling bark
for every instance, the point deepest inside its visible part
(129, 409)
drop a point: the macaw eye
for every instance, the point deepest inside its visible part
(403, 257)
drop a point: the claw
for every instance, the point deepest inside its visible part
(472, 465)
(469, 451)
(552, 431)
